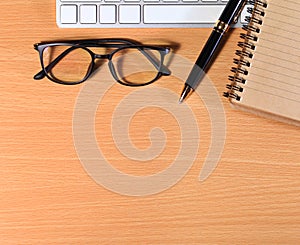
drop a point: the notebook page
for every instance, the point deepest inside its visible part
(272, 84)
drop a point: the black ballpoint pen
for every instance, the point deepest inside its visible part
(229, 15)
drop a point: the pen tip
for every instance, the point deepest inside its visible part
(185, 92)
(180, 100)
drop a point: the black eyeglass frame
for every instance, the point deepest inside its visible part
(119, 44)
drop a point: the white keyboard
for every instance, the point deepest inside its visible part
(140, 13)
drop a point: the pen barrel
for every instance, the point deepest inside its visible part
(229, 15)
(232, 11)
(206, 55)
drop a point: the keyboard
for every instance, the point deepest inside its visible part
(141, 13)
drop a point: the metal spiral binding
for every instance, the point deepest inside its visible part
(243, 62)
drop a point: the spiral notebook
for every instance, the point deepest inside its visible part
(267, 72)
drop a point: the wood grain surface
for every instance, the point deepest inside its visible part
(47, 197)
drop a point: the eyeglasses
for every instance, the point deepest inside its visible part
(73, 62)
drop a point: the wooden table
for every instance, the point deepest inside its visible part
(46, 196)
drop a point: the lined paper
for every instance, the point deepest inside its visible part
(272, 84)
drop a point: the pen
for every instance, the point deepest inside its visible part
(229, 15)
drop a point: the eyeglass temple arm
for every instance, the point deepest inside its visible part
(163, 69)
(41, 74)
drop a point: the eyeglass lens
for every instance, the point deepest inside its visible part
(73, 65)
(129, 65)
(135, 66)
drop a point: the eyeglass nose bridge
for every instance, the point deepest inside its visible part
(101, 56)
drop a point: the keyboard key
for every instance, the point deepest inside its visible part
(80, 0)
(88, 14)
(129, 14)
(108, 14)
(244, 14)
(166, 14)
(191, 1)
(68, 14)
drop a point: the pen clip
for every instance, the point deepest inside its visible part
(238, 13)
